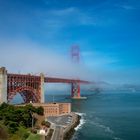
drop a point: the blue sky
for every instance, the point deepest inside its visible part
(107, 32)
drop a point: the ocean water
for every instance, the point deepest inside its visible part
(106, 116)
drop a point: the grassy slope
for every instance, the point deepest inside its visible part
(34, 137)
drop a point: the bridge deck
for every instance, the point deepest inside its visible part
(48, 79)
(61, 80)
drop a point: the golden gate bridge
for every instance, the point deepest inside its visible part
(31, 87)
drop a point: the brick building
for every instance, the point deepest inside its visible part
(54, 109)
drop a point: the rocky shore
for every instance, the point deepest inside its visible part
(70, 130)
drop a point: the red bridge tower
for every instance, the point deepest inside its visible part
(75, 87)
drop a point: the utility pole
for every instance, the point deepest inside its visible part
(32, 118)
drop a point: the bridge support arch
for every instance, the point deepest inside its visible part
(30, 87)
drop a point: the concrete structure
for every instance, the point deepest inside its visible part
(55, 109)
(42, 88)
(3, 85)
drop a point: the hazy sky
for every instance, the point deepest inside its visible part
(36, 36)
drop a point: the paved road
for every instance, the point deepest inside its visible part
(57, 133)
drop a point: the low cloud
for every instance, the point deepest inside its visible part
(101, 60)
(28, 57)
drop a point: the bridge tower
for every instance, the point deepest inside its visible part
(75, 87)
(42, 88)
(3, 85)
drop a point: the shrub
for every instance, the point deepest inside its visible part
(46, 123)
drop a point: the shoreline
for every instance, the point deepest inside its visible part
(66, 131)
(82, 121)
(70, 130)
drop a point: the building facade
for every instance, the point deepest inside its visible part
(55, 109)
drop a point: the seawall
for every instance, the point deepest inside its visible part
(69, 131)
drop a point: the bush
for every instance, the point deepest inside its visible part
(34, 131)
(23, 133)
(13, 126)
(26, 135)
(46, 123)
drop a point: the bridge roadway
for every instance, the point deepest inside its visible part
(61, 80)
(48, 79)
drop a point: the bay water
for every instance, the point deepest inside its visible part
(106, 115)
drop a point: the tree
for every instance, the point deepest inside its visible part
(13, 126)
(40, 110)
(14, 117)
